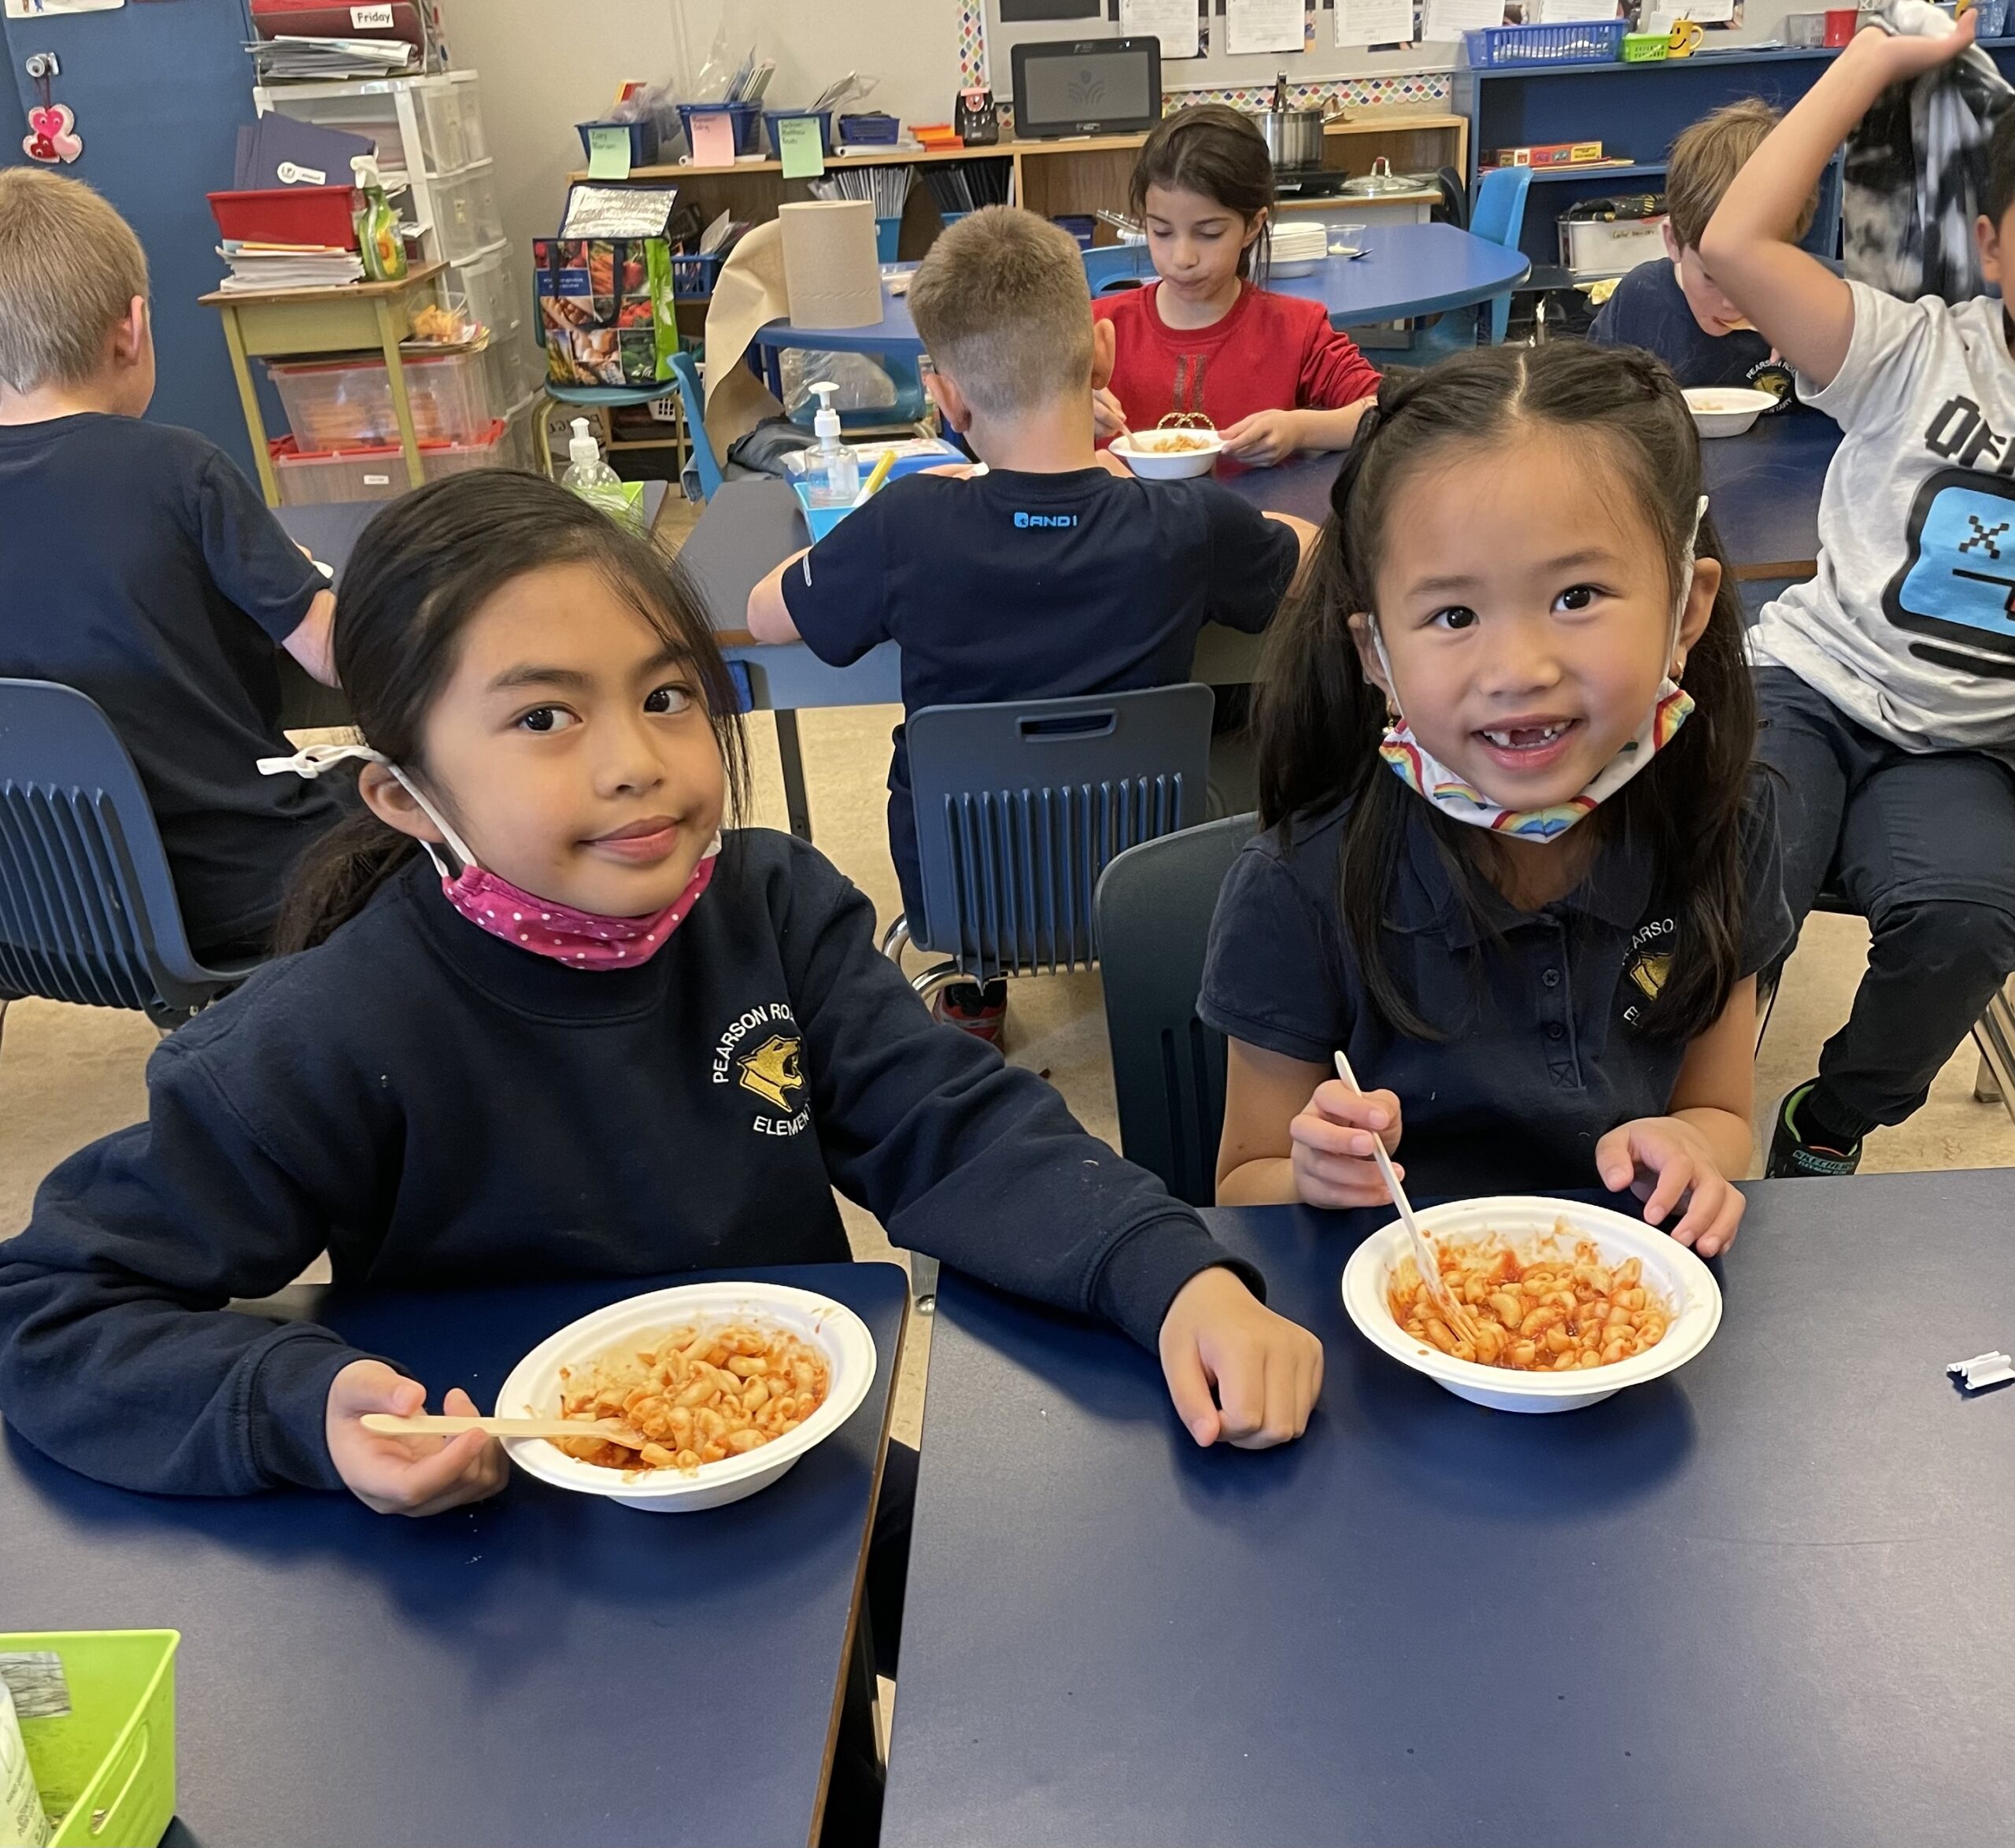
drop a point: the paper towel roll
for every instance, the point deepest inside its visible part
(829, 268)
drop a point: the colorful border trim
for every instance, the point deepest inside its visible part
(1397, 89)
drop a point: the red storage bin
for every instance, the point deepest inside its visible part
(289, 215)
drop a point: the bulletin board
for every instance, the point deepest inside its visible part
(1321, 61)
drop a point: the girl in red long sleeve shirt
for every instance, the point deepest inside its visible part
(1268, 371)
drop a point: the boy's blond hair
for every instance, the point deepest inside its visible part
(1004, 312)
(1705, 160)
(69, 268)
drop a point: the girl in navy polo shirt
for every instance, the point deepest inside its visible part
(547, 1021)
(1517, 864)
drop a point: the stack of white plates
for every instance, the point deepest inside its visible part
(1298, 248)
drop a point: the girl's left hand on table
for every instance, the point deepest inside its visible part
(1263, 438)
(1667, 1163)
(1267, 1370)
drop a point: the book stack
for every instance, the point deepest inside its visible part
(256, 268)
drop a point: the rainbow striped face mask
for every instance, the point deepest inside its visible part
(1425, 774)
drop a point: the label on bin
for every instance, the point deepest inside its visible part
(370, 19)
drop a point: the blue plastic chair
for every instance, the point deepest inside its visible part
(1499, 218)
(694, 401)
(1021, 806)
(1111, 268)
(88, 910)
(1153, 910)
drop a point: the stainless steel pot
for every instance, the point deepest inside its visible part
(1293, 137)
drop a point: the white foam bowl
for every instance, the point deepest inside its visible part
(533, 1390)
(1138, 450)
(1524, 1221)
(1725, 410)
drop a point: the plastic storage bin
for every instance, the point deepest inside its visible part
(1083, 226)
(1646, 48)
(643, 139)
(822, 117)
(876, 128)
(465, 215)
(1610, 247)
(492, 295)
(443, 126)
(289, 215)
(1575, 42)
(347, 403)
(314, 480)
(746, 116)
(106, 1768)
(693, 278)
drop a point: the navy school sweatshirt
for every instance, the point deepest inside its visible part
(435, 1107)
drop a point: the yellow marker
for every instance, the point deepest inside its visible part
(880, 474)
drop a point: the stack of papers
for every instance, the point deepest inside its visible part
(324, 60)
(257, 267)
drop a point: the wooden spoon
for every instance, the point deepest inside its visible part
(433, 1425)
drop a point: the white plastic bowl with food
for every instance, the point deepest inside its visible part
(1532, 1226)
(1168, 455)
(536, 1386)
(1726, 410)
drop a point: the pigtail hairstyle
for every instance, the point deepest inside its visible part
(421, 570)
(1320, 720)
(1215, 152)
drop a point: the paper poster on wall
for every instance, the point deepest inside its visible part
(1703, 12)
(1265, 25)
(1012, 10)
(1374, 22)
(1554, 12)
(1445, 21)
(1172, 21)
(42, 9)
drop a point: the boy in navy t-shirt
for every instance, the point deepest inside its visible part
(1673, 308)
(145, 569)
(1050, 574)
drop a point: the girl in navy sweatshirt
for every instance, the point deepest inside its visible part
(546, 1020)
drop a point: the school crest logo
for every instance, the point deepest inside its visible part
(1649, 973)
(772, 1071)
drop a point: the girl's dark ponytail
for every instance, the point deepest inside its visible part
(421, 570)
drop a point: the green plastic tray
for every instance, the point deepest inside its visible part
(106, 1769)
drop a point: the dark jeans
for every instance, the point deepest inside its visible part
(853, 1793)
(1924, 846)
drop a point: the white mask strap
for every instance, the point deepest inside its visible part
(312, 760)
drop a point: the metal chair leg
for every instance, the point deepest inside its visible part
(5, 1002)
(937, 976)
(1994, 1034)
(896, 937)
(923, 1282)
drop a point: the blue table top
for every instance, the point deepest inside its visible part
(1769, 1600)
(1406, 270)
(544, 1668)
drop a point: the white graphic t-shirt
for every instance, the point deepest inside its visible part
(1909, 626)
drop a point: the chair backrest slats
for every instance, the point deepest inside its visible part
(88, 910)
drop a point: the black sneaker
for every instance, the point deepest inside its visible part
(980, 1012)
(1790, 1158)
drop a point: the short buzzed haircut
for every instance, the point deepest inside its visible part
(69, 268)
(1705, 160)
(1004, 312)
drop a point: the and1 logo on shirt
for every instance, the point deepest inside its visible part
(1045, 519)
(767, 1062)
(1956, 582)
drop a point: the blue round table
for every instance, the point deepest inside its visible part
(1406, 270)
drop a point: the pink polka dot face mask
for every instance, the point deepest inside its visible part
(580, 939)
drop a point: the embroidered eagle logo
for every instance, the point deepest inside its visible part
(771, 1070)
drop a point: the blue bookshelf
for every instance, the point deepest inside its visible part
(1635, 110)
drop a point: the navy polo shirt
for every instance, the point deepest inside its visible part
(1543, 1056)
(1649, 309)
(145, 571)
(1009, 585)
